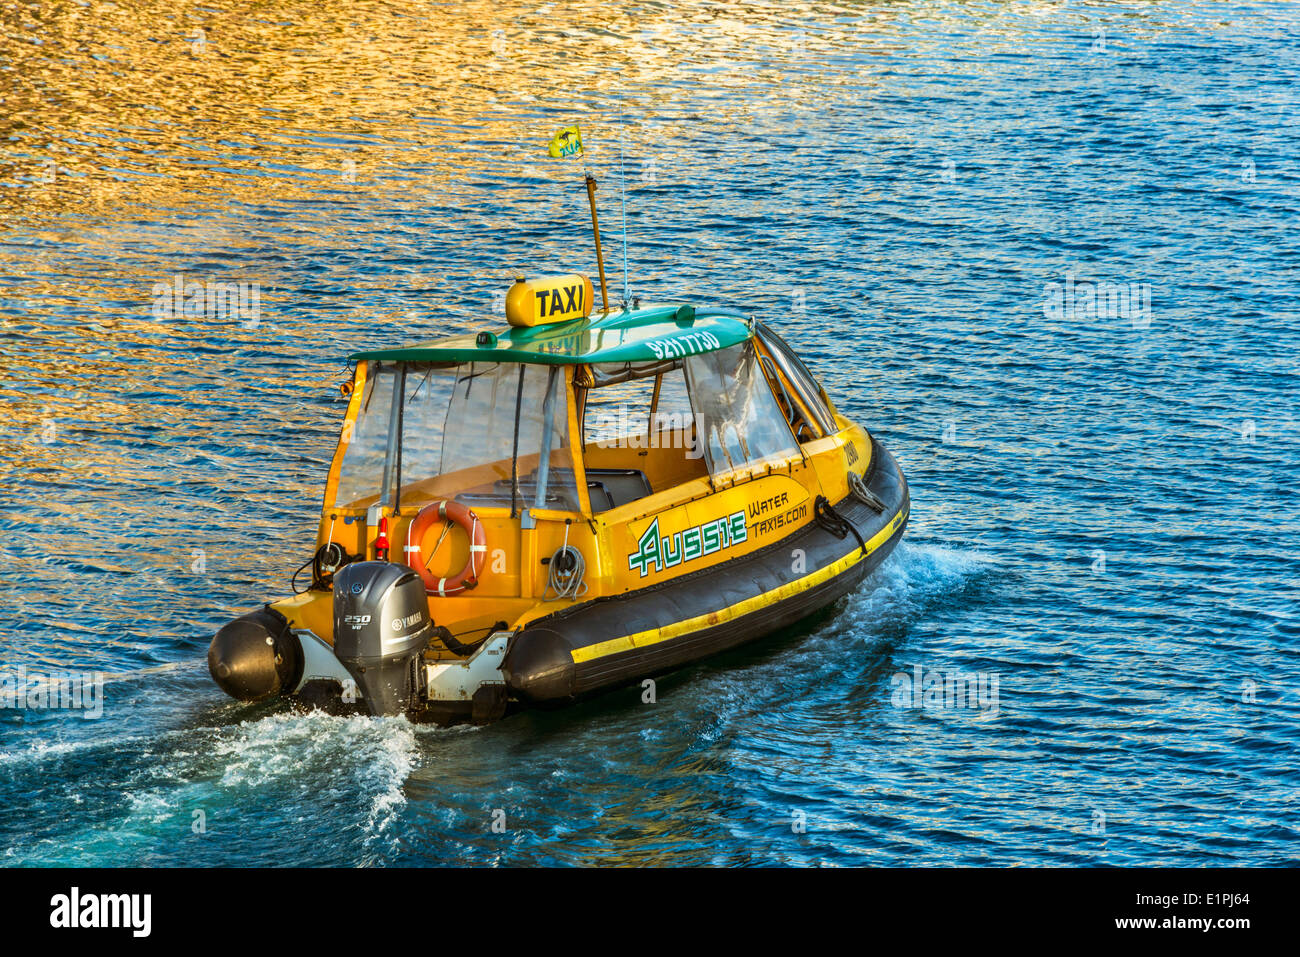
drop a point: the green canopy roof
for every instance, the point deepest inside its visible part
(642, 335)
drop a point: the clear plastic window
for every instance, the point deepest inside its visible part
(673, 414)
(809, 390)
(458, 436)
(619, 409)
(739, 420)
(616, 414)
(479, 441)
(428, 390)
(365, 443)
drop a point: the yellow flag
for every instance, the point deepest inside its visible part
(567, 142)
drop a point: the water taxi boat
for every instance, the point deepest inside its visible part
(571, 504)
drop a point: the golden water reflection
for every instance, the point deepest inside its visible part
(149, 141)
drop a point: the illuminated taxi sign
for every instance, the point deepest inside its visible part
(535, 302)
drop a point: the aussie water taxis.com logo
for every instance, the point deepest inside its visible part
(657, 552)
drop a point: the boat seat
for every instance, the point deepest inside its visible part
(607, 488)
(616, 486)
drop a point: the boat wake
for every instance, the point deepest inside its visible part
(368, 758)
(909, 588)
(842, 650)
(212, 788)
(910, 584)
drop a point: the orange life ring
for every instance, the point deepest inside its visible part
(447, 512)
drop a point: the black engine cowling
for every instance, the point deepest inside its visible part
(381, 629)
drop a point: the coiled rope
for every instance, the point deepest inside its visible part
(329, 556)
(565, 573)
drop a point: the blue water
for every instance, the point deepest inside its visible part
(1104, 507)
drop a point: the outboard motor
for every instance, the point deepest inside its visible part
(381, 628)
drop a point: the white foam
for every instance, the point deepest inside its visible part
(294, 755)
(910, 578)
(38, 751)
(254, 753)
(936, 565)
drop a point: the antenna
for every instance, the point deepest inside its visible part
(622, 185)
